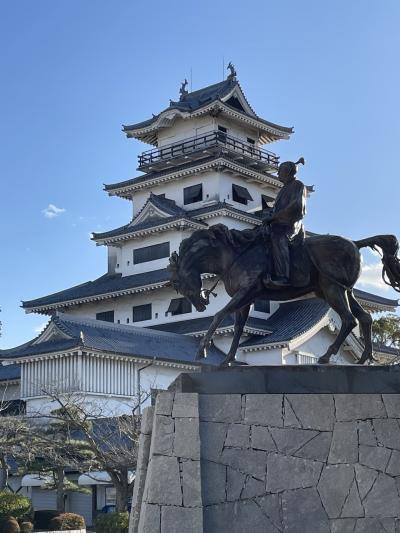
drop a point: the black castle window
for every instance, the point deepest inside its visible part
(151, 253)
(193, 194)
(179, 306)
(105, 316)
(241, 194)
(141, 312)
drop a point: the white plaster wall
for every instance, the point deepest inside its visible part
(217, 187)
(174, 191)
(125, 264)
(264, 357)
(182, 129)
(112, 258)
(158, 377)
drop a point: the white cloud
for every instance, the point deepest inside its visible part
(52, 211)
(40, 328)
(371, 276)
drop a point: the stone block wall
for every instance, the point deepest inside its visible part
(269, 463)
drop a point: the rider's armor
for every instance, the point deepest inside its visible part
(285, 219)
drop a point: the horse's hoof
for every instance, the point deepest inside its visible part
(323, 360)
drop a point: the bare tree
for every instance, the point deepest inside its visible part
(14, 443)
(91, 440)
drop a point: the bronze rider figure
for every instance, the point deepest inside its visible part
(285, 222)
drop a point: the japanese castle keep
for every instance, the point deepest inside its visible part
(209, 162)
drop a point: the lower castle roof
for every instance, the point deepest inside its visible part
(291, 320)
(102, 287)
(66, 333)
(111, 285)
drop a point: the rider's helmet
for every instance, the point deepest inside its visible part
(289, 168)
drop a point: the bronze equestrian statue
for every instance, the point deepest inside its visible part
(275, 262)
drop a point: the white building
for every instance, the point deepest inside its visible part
(129, 329)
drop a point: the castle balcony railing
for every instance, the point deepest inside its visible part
(208, 144)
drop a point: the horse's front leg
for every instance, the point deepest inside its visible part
(240, 299)
(240, 321)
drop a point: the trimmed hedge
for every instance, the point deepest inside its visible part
(9, 525)
(26, 527)
(67, 522)
(112, 523)
(15, 505)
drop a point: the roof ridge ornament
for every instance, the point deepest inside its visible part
(232, 71)
(183, 91)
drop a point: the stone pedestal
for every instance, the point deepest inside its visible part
(270, 462)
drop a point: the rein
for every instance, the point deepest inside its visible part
(206, 292)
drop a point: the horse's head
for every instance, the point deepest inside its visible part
(186, 280)
(206, 250)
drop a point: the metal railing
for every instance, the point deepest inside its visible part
(208, 140)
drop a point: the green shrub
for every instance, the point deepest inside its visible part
(112, 523)
(42, 518)
(26, 527)
(67, 522)
(9, 525)
(15, 505)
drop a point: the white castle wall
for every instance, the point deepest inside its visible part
(183, 129)
(217, 187)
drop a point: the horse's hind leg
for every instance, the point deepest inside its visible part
(336, 297)
(365, 321)
(240, 321)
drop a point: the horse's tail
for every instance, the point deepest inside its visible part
(391, 263)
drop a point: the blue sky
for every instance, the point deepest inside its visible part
(74, 71)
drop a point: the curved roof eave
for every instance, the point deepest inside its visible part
(147, 130)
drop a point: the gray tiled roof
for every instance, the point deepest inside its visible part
(224, 205)
(29, 348)
(129, 228)
(105, 284)
(165, 204)
(192, 101)
(375, 298)
(291, 320)
(9, 372)
(200, 98)
(116, 338)
(194, 325)
(189, 215)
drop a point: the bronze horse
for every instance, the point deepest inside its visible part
(242, 259)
